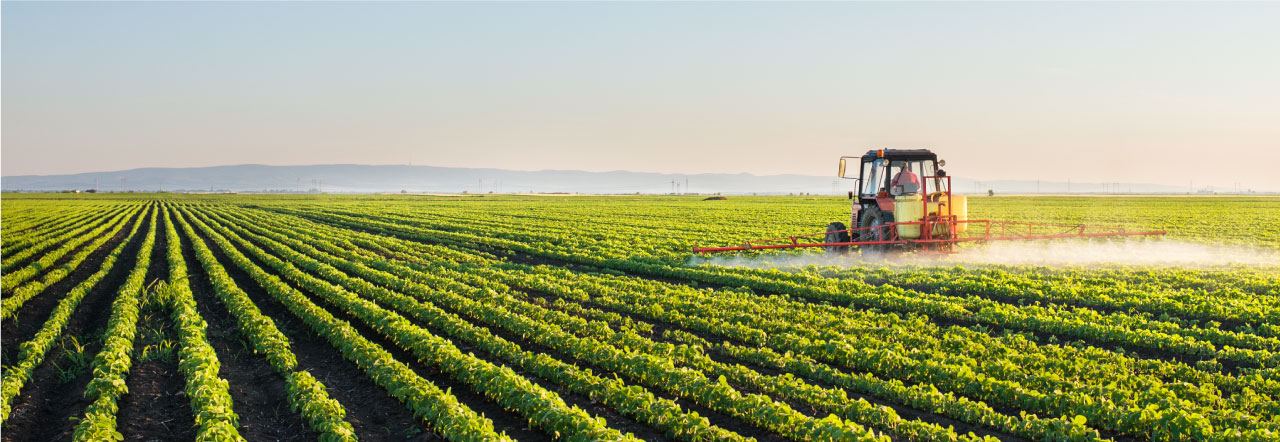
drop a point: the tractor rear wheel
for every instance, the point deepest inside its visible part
(873, 221)
(836, 233)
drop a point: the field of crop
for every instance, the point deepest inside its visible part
(228, 317)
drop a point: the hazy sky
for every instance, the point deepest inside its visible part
(1140, 92)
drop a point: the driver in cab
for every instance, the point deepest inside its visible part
(904, 182)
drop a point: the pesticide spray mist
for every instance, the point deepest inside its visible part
(1145, 252)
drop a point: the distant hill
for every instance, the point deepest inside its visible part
(353, 178)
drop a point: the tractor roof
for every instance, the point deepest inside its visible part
(902, 154)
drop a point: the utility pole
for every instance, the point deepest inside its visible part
(673, 187)
(686, 185)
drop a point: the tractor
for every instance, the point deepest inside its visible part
(903, 202)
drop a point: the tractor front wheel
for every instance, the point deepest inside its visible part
(836, 233)
(873, 221)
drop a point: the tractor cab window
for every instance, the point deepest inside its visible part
(927, 169)
(908, 177)
(873, 176)
(905, 177)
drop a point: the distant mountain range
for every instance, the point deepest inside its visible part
(353, 178)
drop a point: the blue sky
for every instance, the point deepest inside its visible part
(1117, 92)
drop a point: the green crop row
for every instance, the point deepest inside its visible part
(574, 300)
(919, 430)
(1115, 328)
(69, 242)
(32, 352)
(306, 395)
(629, 400)
(716, 395)
(544, 409)
(53, 225)
(439, 409)
(10, 305)
(111, 364)
(209, 395)
(73, 237)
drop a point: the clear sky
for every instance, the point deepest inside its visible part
(1117, 92)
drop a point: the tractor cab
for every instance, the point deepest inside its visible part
(888, 173)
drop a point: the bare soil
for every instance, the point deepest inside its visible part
(156, 407)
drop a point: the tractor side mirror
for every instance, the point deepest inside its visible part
(942, 163)
(841, 172)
